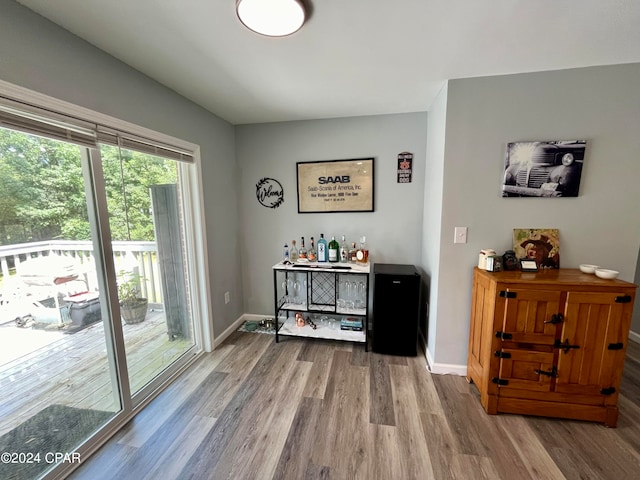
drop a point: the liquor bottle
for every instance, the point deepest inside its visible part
(353, 253)
(293, 253)
(286, 254)
(311, 254)
(334, 247)
(302, 253)
(363, 251)
(322, 249)
(344, 250)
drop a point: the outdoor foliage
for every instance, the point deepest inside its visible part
(42, 193)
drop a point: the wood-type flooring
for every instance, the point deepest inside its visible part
(311, 409)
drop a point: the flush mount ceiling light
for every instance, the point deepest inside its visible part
(274, 18)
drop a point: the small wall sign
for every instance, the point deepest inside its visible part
(405, 163)
(269, 192)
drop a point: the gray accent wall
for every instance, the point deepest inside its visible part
(38, 55)
(601, 226)
(393, 230)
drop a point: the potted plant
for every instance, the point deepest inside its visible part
(133, 308)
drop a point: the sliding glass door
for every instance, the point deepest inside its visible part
(97, 290)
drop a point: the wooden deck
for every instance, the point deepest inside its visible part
(74, 371)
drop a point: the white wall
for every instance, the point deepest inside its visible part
(600, 226)
(432, 215)
(39, 55)
(393, 230)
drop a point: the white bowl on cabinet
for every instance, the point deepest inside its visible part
(586, 268)
(606, 273)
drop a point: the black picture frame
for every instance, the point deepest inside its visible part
(331, 186)
(543, 169)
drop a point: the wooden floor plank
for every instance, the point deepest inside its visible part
(411, 436)
(176, 456)
(441, 446)
(295, 458)
(381, 397)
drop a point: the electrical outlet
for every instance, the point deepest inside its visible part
(460, 235)
(227, 297)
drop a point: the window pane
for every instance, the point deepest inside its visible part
(145, 216)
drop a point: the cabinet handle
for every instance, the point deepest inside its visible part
(551, 373)
(564, 345)
(556, 318)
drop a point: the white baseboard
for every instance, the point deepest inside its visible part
(444, 368)
(218, 339)
(634, 337)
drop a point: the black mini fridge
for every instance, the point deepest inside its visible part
(396, 307)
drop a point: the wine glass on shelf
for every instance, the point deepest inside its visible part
(351, 293)
(285, 297)
(290, 297)
(361, 296)
(296, 292)
(342, 289)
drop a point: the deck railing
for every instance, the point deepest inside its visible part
(140, 257)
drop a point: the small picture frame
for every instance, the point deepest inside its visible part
(527, 265)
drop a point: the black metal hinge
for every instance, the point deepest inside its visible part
(504, 336)
(623, 299)
(615, 346)
(505, 294)
(500, 381)
(608, 391)
(501, 354)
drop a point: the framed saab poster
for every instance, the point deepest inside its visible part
(335, 186)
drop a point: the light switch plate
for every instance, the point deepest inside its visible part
(460, 235)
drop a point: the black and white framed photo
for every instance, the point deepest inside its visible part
(543, 169)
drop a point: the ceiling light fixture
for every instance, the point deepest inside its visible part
(274, 18)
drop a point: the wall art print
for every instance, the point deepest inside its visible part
(269, 192)
(335, 186)
(539, 244)
(543, 169)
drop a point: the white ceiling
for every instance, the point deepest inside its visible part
(352, 57)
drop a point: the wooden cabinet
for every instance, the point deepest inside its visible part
(549, 343)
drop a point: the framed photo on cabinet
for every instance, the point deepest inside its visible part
(335, 186)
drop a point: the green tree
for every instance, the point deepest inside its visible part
(42, 193)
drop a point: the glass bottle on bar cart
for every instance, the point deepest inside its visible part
(302, 253)
(293, 253)
(286, 254)
(363, 252)
(334, 248)
(353, 253)
(322, 249)
(311, 254)
(344, 250)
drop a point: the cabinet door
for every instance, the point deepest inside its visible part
(527, 370)
(588, 359)
(528, 313)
